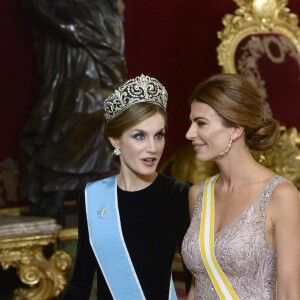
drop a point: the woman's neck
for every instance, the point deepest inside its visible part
(134, 182)
(241, 172)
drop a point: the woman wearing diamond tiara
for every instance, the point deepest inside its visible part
(131, 224)
(244, 238)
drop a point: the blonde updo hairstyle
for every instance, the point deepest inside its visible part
(239, 103)
(128, 118)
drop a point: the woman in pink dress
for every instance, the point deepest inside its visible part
(244, 238)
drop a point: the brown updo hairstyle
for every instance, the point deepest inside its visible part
(128, 118)
(239, 103)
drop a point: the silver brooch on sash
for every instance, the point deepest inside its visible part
(102, 212)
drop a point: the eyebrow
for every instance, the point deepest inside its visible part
(199, 118)
(143, 131)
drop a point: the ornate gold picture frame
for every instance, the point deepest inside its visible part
(255, 17)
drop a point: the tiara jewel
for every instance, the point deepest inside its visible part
(140, 89)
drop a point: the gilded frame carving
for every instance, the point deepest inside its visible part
(255, 17)
(46, 278)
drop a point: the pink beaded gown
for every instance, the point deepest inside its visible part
(241, 250)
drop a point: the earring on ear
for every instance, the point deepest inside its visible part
(228, 147)
(117, 152)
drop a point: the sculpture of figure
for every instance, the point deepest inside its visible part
(82, 44)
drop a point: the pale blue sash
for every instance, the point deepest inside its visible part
(108, 244)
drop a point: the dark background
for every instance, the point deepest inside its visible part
(174, 41)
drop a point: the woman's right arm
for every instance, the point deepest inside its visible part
(81, 282)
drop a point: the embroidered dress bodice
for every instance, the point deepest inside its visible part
(241, 250)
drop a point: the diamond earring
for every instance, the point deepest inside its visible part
(117, 152)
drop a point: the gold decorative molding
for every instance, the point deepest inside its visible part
(14, 211)
(46, 278)
(284, 157)
(67, 234)
(255, 17)
(18, 210)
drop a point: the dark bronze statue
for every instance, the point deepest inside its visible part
(82, 47)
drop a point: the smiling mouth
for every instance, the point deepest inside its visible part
(198, 146)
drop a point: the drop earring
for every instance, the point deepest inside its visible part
(228, 147)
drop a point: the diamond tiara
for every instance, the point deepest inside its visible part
(140, 89)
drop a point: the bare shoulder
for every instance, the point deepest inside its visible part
(285, 191)
(285, 199)
(193, 195)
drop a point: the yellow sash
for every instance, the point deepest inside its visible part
(207, 227)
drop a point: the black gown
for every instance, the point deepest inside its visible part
(153, 225)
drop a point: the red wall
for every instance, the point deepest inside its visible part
(17, 74)
(174, 41)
